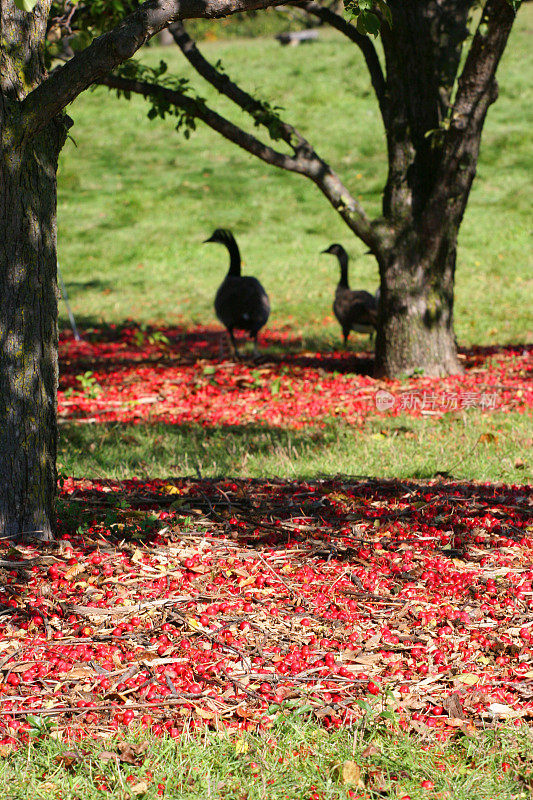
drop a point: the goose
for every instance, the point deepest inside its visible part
(355, 310)
(241, 302)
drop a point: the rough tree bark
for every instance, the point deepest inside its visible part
(33, 129)
(433, 144)
(422, 52)
(28, 289)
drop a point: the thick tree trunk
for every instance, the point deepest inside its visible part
(415, 333)
(422, 52)
(28, 333)
(28, 289)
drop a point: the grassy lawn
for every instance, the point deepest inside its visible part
(298, 761)
(465, 447)
(136, 200)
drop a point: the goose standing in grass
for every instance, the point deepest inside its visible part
(355, 310)
(241, 303)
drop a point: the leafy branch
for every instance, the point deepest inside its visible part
(155, 79)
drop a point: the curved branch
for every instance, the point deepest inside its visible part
(111, 49)
(201, 111)
(308, 164)
(364, 43)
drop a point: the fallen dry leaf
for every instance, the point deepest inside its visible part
(139, 788)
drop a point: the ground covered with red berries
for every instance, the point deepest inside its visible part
(197, 603)
(191, 603)
(133, 374)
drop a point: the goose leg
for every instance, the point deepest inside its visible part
(222, 347)
(233, 342)
(255, 353)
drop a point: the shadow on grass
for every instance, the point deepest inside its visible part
(189, 448)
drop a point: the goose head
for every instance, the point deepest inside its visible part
(222, 236)
(336, 250)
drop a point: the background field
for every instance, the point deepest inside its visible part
(136, 199)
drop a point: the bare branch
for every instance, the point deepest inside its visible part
(111, 49)
(364, 43)
(308, 164)
(201, 111)
(482, 61)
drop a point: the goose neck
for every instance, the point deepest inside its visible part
(234, 258)
(343, 261)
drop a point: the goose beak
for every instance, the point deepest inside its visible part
(205, 241)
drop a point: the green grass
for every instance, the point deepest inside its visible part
(297, 761)
(469, 446)
(136, 199)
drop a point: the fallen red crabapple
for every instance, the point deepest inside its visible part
(192, 386)
(182, 622)
(190, 603)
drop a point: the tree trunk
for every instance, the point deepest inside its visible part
(422, 52)
(415, 333)
(28, 333)
(28, 288)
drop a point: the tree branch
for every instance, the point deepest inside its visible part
(364, 43)
(200, 110)
(476, 90)
(111, 49)
(223, 84)
(308, 163)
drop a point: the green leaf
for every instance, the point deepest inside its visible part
(26, 5)
(369, 22)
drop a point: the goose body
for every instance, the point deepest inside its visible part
(356, 310)
(241, 302)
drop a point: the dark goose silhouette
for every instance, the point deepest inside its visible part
(356, 310)
(241, 303)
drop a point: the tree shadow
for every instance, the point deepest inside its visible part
(75, 288)
(340, 518)
(108, 347)
(335, 512)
